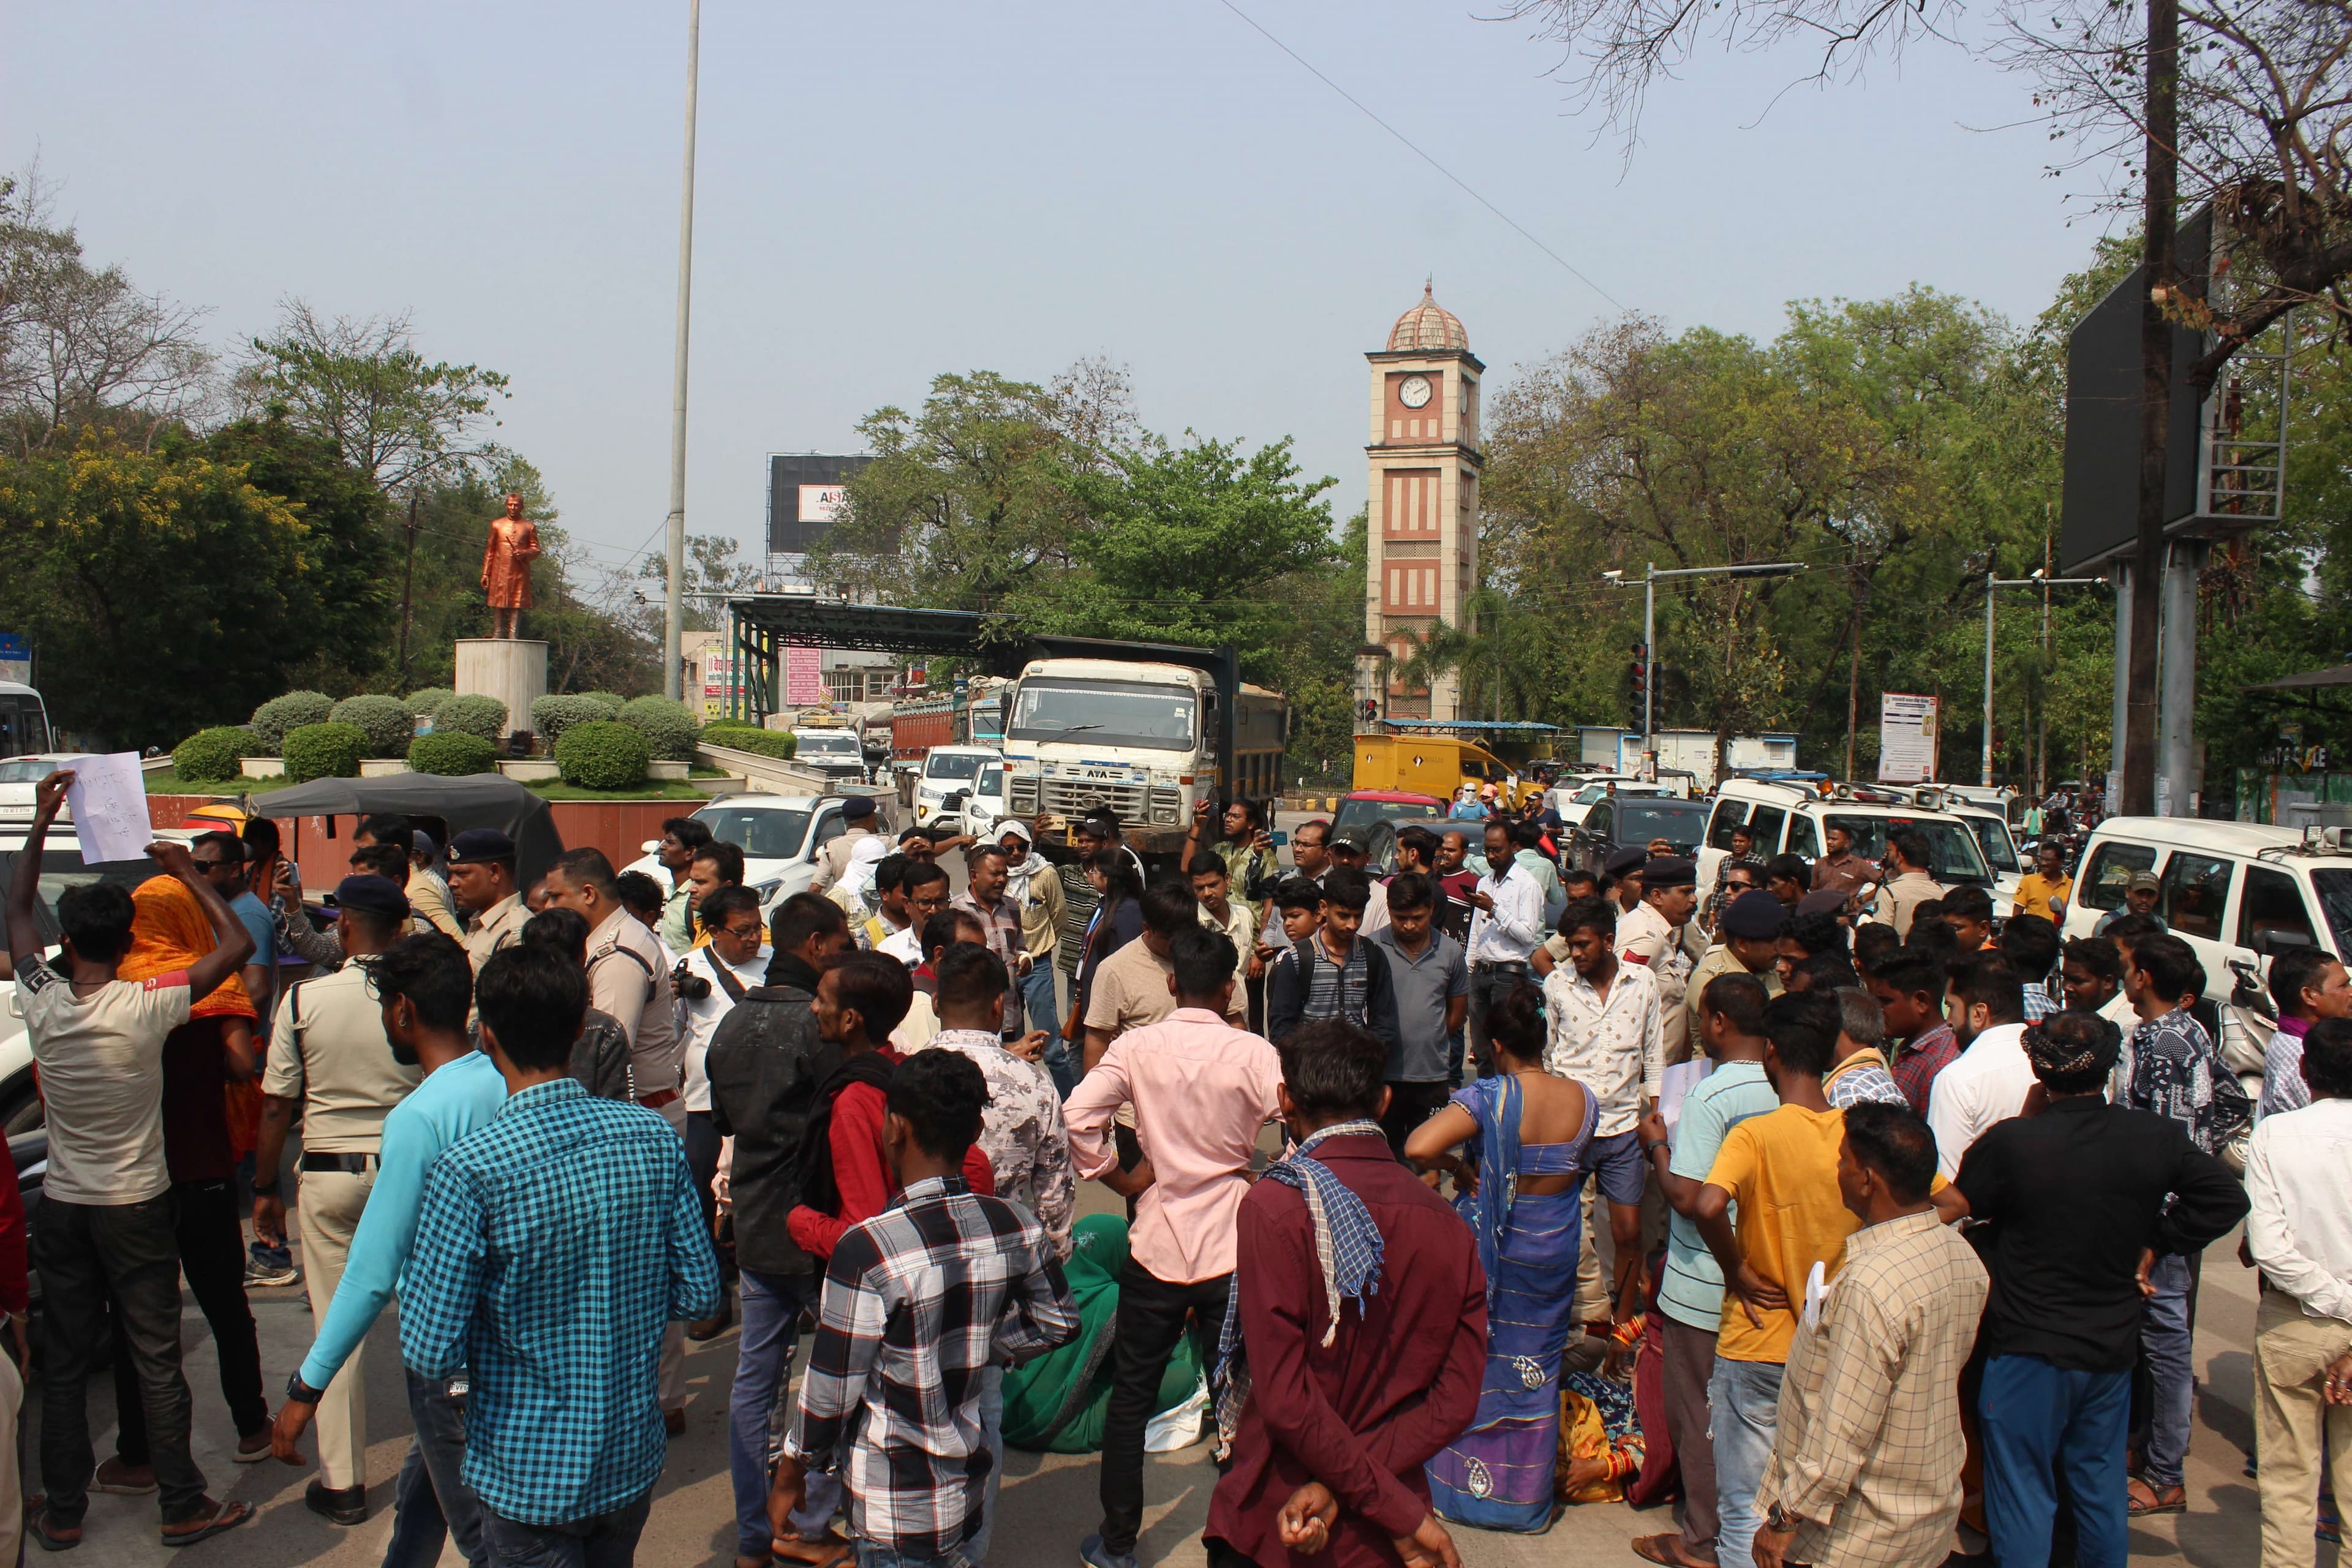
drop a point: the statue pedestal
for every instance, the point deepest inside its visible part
(513, 671)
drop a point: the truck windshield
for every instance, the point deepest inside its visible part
(23, 726)
(1952, 852)
(838, 741)
(1106, 712)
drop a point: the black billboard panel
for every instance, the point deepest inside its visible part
(805, 496)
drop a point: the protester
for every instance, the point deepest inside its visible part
(1841, 870)
(1310, 851)
(1115, 894)
(1031, 883)
(1431, 982)
(15, 1359)
(482, 884)
(1990, 1078)
(1505, 926)
(2032, 945)
(2091, 978)
(2047, 890)
(1603, 1019)
(2307, 986)
(642, 897)
(563, 1421)
(1242, 845)
(1328, 1415)
(106, 1227)
(1201, 1092)
(2299, 1233)
(1022, 1134)
(331, 1062)
(859, 823)
(766, 1076)
(988, 870)
(1748, 944)
(2078, 1199)
(1349, 850)
(1220, 911)
(1333, 972)
(423, 987)
(1691, 1293)
(2140, 896)
(600, 1057)
(1874, 945)
(716, 865)
(900, 1429)
(1909, 989)
(1080, 896)
(728, 965)
(1866, 1455)
(681, 836)
(1907, 884)
(1858, 1074)
(1531, 1130)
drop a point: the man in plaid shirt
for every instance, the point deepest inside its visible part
(555, 1246)
(920, 1302)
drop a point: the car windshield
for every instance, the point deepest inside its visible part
(827, 741)
(952, 765)
(63, 868)
(1952, 852)
(2335, 890)
(1992, 837)
(1106, 712)
(1358, 812)
(762, 832)
(1680, 823)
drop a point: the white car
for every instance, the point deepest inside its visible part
(1794, 819)
(960, 775)
(780, 836)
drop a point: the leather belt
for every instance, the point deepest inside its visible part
(1500, 965)
(350, 1164)
(659, 1098)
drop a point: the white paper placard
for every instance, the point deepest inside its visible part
(109, 803)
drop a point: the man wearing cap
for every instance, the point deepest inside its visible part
(482, 881)
(1349, 848)
(2140, 895)
(859, 819)
(1751, 930)
(1652, 936)
(1842, 871)
(1620, 877)
(330, 1057)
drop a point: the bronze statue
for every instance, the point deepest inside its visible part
(512, 546)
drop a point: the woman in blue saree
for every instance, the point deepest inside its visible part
(1529, 1129)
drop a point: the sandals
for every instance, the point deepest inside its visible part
(38, 1526)
(225, 1516)
(1665, 1549)
(2148, 1499)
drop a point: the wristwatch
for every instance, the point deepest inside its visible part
(1652, 1148)
(301, 1393)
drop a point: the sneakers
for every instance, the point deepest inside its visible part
(271, 1266)
(1093, 1553)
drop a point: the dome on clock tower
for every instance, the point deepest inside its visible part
(1428, 327)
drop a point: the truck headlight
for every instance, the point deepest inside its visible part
(1167, 805)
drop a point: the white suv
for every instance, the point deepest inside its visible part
(780, 836)
(1795, 819)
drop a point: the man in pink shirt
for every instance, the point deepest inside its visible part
(1202, 1091)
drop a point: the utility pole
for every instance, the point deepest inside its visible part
(673, 615)
(1650, 578)
(408, 585)
(2044, 581)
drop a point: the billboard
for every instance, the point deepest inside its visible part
(804, 676)
(1906, 738)
(806, 491)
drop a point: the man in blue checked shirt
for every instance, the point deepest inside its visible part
(556, 1245)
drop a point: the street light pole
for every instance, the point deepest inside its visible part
(2044, 581)
(673, 615)
(1650, 578)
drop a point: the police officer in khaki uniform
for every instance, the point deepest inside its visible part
(482, 882)
(329, 1057)
(1652, 936)
(858, 818)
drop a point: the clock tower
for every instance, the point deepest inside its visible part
(1422, 551)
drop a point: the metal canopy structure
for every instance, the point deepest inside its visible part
(1506, 726)
(759, 626)
(2335, 675)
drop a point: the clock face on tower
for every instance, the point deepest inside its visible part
(1414, 392)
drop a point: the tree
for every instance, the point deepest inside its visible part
(715, 570)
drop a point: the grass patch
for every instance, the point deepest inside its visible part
(164, 781)
(652, 789)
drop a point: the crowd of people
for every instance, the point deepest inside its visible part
(1450, 1196)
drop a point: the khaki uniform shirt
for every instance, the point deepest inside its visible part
(833, 861)
(1644, 938)
(498, 926)
(1719, 961)
(328, 1050)
(1901, 895)
(635, 991)
(428, 900)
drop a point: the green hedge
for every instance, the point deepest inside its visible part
(553, 715)
(602, 754)
(452, 755)
(612, 701)
(743, 737)
(472, 715)
(389, 724)
(280, 716)
(210, 756)
(420, 703)
(325, 752)
(669, 728)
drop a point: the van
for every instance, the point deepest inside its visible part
(1795, 818)
(1434, 765)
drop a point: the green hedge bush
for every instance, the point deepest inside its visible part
(613, 701)
(472, 715)
(389, 724)
(602, 754)
(553, 715)
(420, 703)
(669, 728)
(209, 756)
(452, 755)
(745, 737)
(280, 716)
(325, 752)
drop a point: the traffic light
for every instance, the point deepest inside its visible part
(1641, 671)
(1371, 709)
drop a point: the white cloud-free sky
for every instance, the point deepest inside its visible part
(886, 193)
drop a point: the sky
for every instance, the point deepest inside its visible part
(888, 192)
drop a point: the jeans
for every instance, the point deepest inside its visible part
(1045, 1012)
(992, 1437)
(1152, 1317)
(702, 1146)
(212, 1255)
(432, 1502)
(2164, 1338)
(85, 1253)
(2035, 1419)
(873, 1554)
(1489, 983)
(607, 1539)
(1746, 1397)
(763, 1371)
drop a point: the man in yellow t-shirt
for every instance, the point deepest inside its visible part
(1780, 1170)
(2045, 890)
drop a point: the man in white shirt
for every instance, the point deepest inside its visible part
(1349, 848)
(2299, 1232)
(1988, 1080)
(1505, 926)
(924, 884)
(1605, 1033)
(733, 961)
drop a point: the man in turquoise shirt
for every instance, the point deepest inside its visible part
(426, 987)
(1690, 1298)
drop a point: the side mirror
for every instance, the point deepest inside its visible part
(649, 846)
(2270, 941)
